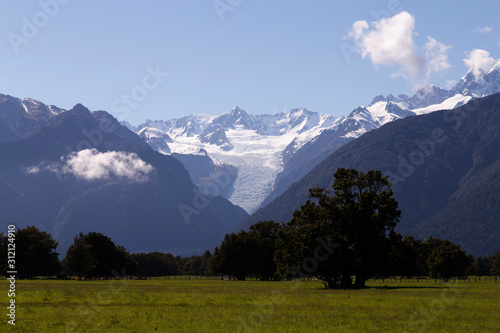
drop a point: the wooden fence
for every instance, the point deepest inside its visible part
(422, 279)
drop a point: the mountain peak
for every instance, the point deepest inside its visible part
(237, 111)
(237, 116)
(496, 66)
(428, 95)
(389, 98)
(80, 108)
(216, 137)
(479, 83)
(300, 111)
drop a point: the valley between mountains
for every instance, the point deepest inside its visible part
(187, 182)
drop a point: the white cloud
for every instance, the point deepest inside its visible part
(44, 166)
(34, 169)
(389, 42)
(90, 164)
(483, 30)
(450, 84)
(435, 52)
(479, 62)
(358, 29)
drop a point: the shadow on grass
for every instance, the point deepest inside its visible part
(389, 288)
(408, 287)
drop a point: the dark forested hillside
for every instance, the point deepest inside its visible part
(80, 171)
(445, 167)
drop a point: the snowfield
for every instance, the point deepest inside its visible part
(257, 156)
(260, 145)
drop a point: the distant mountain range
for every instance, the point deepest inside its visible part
(446, 172)
(271, 152)
(252, 144)
(79, 171)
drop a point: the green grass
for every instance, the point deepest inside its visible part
(251, 306)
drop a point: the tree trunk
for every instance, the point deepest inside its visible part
(360, 282)
(346, 282)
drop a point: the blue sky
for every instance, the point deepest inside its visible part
(264, 56)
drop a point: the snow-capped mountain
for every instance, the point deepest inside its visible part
(432, 98)
(129, 185)
(452, 195)
(31, 107)
(479, 84)
(157, 139)
(266, 153)
(260, 146)
(271, 152)
(251, 143)
(21, 116)
(379, 112)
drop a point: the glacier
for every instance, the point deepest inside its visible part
(260, 147)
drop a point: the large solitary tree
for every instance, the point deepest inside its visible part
(335, 237)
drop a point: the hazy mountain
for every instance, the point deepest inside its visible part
(249, 159)
(446, 170)
(83, 172)
(209, 177)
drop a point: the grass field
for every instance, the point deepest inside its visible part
(251, 306)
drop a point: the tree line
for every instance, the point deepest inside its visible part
(93, 255)
(341, 237)
(344, 238)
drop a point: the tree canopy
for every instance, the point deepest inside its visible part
(495, 263)
(447, 260)
(36, 253)
(95, 254)
(248, 252)
(343, 235)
